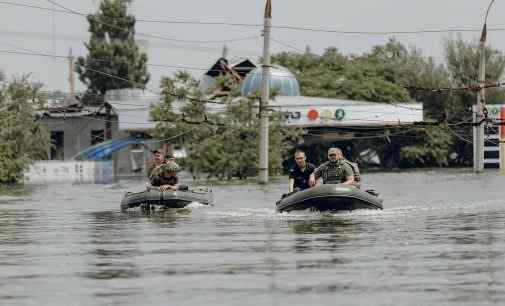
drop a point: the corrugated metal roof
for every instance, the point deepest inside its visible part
(133, 108)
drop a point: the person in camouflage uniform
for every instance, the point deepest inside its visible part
(158, 159)
(334, 171)
(165, 177)
(355, 170)
(162, 173)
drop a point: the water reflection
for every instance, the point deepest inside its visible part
(14, 226)
(433, 248)
(114, 247)
(164, 218)
(329, 232)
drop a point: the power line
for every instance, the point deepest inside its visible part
(287, 45)
(35, 53)
(491, 85)
(157, 36)
(217, 102)
(173, 94)
(281, 27)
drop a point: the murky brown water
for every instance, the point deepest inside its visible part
(439, 241)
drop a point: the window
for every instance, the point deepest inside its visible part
(97, 136)
(57, 145)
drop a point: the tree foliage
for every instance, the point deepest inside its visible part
(112, 51)
(22, 139)
(390, 73)
(221, 144)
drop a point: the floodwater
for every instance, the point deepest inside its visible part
(439, 241)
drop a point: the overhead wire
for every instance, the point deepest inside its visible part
(472, 88)
(178, 96)
(257, 25)
(286, 45)
(72, 11)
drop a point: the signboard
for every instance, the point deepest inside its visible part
(313, 112)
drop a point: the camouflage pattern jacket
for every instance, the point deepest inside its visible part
(334, 172)
(159, 176)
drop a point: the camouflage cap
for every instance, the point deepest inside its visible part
(334, 151)
(172, 166)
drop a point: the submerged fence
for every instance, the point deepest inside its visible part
(77, 172)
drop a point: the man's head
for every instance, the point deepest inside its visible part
(300, 158)
(172, 168)
(158, 157)
(335, 154)
(169, 157)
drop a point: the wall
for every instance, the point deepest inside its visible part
(77, 137)
(76, 172)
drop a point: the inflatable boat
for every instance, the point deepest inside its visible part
(330, 197)
(153, 197)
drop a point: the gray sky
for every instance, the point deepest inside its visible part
(27, 29)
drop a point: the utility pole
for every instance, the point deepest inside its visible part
(71, 75)
(478, 147)
(265, 97)
(478, 116)
(502, 141)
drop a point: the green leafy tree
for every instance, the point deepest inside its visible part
(392, 73)
(333, 75)
(22, 139)
(220, 144)
(112, 51)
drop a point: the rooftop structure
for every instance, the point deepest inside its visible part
(281, 80)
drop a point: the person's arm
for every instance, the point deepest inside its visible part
(291, 184)
(315, 175)
(349, 175)
(169, 187)
(312, 179)
(173, 185)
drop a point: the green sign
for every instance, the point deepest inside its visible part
(339, 114)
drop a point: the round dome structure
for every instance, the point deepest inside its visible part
(281, 80)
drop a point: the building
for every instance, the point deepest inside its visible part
(77, 132)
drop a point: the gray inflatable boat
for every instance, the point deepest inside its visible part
(330, 197)
(152, 197)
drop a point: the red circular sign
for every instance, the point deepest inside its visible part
(312, 114)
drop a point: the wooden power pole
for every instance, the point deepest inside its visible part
(265, 97)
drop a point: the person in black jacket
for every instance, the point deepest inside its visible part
(300, 173)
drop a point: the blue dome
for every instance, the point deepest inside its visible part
(281, 79)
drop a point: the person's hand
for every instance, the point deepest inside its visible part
(312, 181)
(167, 188)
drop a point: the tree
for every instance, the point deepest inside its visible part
(22, 139)
(333, 75)
(114, 60)
(392, 73)
(223, 145)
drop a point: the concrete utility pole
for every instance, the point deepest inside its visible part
(478, 131)
(71, 75)
(502, 141)
(478, 146)
(265, 97)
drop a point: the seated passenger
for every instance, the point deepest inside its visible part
(355, 170)
(300, 173)
(165, 177)
(334, 171)
(158, 159)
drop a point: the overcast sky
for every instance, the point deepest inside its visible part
(35, 30)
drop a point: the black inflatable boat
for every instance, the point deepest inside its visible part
(330, 197)
(152, 197)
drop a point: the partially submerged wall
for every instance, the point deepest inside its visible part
(77, 172)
